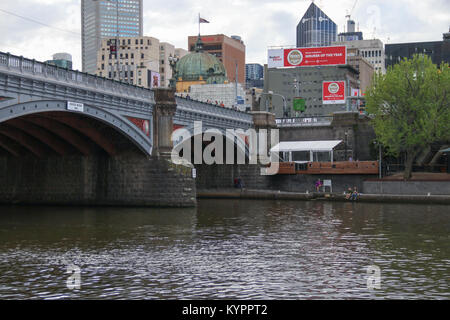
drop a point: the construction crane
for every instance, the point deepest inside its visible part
(351, 11)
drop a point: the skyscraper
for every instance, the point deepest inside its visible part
(315, 29)
(101, 19)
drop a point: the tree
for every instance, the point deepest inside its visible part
(410, 106)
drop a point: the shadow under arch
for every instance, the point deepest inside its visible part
(240, 146)
(110, 119)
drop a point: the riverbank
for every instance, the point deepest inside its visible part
(281, 195)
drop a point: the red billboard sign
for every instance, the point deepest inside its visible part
(333, 92)
(308, 57)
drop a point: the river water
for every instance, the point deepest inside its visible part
(227, 250)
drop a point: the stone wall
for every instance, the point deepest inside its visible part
(128, 180)
(304, 183)
(222, 177)
(407, 187)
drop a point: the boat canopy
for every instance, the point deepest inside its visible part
(314, 146)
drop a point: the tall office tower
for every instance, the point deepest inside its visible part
(315, 29)
(102, 19)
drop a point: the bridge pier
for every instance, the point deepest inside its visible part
(100, 180)
(163, 114)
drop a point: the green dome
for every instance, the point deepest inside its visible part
(201, 64)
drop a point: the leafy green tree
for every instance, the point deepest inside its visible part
(410, 105)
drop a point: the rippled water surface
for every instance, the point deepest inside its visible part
(227, 249)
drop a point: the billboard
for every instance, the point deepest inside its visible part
(333, 92)
(307, 57)
(154, 79)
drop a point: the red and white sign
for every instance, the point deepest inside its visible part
(333, 92)
(355, 92)
(307, 57)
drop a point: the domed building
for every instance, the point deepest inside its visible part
(198, 68)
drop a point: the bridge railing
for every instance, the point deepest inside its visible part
(27, 66)
(304, 121)
(214, 110)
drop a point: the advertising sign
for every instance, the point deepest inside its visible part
(307, 57)
(154, 79)
(333, 92)
(276, 58)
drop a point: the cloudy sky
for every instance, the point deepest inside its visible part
(260, 23)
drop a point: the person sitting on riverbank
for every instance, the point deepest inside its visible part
(354, 195)
(238, 183)
(348, 194)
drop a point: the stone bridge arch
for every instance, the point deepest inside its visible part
(239, 143)
(20, 120)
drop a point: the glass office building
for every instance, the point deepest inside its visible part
(254, 71)
(315, 29)
(101, 19)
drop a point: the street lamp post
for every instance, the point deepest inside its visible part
(270, 93)
(380, 158)
(173, 64)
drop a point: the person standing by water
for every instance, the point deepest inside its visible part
(318, 185)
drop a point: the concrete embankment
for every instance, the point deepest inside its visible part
(280, 195)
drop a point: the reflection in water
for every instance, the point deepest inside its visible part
(226, 249)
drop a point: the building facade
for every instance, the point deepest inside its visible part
(229, 50)
(316, 29)
(306, 83)
(438, 51)
(254, 71)
(104, 19)
(220, 94)
(371, 50)
(62, 60)
(138, 58)
(364, 68)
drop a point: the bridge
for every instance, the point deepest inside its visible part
(72, 137)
